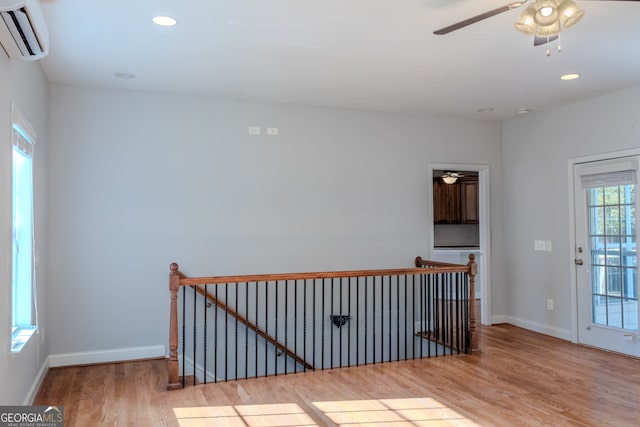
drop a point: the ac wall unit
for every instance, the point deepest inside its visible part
(23, 31)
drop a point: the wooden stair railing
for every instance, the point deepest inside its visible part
(473, 271)
(178, 279)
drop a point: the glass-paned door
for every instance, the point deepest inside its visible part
(606, 256)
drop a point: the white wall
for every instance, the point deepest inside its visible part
(138, 180)
(536, 152)
(24, 84)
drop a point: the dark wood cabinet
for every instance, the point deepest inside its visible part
(446, 203)
(469, 200)
(455, 203)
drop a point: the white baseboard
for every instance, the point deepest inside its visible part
(106, 356)
(536, 327)
(37, 382)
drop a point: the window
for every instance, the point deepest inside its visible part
(23, 308)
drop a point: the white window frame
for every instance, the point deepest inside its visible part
(24, 312)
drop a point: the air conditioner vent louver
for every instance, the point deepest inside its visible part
(23, 32)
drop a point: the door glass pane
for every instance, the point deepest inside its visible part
(630, 314)
(613, 256)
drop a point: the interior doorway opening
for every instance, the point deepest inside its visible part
(458, 223)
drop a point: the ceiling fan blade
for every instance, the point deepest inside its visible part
(480, 17)
(538, 40)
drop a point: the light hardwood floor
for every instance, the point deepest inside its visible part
(519, 378)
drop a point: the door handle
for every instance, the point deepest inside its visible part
(578, 261)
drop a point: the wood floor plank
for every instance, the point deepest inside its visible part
(519, 378)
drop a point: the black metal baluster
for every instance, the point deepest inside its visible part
(313, 324)
(413, 317)
(458, 311)
(467, 312)
(257, 329)
(286, 322)
(237, 306)
(406, 328)
(295, 323)
(340, 329)
(449, 300)
(366, 318)
(349, 325)
(430, 328)
(246, 330)
(206, 300)
(398, 317)
(382, 318)
(226, 335)
(304, 325)
(184, 325)
(323, 320)
(422, 319)
(215, 336)
(437, 326)
(195, 295)
(331, 326)
(275, 359)
(390, 318)
(373, 303)
(358, 320)
(266, 328)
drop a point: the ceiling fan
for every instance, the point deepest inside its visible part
(544, 19)
(450, 177)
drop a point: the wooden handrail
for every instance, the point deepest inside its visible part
(444, 268)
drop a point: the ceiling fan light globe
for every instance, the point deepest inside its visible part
(546, 12)
(569, 13)
(525, 24)
(449, 179)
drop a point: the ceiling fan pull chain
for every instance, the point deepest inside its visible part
(548, 52)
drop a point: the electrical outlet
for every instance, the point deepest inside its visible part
(254, 130)
(539, 245)
(549, 245)
(550, 304)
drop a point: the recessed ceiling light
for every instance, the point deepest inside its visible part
(523, 110)
(572, 76)
(165, 21)
(124, 76)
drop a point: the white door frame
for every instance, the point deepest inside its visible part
(572, 226)
(484, 267)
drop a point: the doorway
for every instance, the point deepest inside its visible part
(605, 207)
(478, 176)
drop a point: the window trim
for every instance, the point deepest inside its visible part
(23, 138)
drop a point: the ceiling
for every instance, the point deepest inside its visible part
(363, 54)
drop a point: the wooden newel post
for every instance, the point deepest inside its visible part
(172, 368)
(473, 335)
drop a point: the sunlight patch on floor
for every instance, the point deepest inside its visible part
(392, 412)
(277, 414)
(344, 413)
